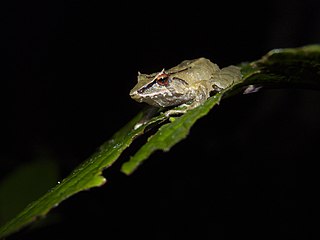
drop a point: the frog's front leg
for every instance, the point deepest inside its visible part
(183, 110)
(201, 93)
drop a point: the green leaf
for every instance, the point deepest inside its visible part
(291, 67)
(87, 175)
(297, 67)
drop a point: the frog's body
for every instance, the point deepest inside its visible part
(188, 83)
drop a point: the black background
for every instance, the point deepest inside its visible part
(246, 170)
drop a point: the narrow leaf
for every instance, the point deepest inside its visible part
(87, 175)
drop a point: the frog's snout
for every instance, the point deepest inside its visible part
(134, 95)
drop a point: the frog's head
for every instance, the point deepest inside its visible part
(160, 89)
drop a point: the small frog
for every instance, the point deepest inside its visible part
(187, 85)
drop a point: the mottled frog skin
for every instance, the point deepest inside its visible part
(188, 84)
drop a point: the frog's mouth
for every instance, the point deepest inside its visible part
(164, 100)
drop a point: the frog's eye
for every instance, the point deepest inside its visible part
(163, 79)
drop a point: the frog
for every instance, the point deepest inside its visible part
(187, 85)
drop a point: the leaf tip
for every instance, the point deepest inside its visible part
(129, 167)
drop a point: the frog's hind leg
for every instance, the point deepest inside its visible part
(202, 93)
(226, 77)
(183, 108)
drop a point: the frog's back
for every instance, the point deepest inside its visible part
(197, 64)
(226, 77)
(202, 69)
(199, 69)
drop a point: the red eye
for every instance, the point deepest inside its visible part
(163, 79)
